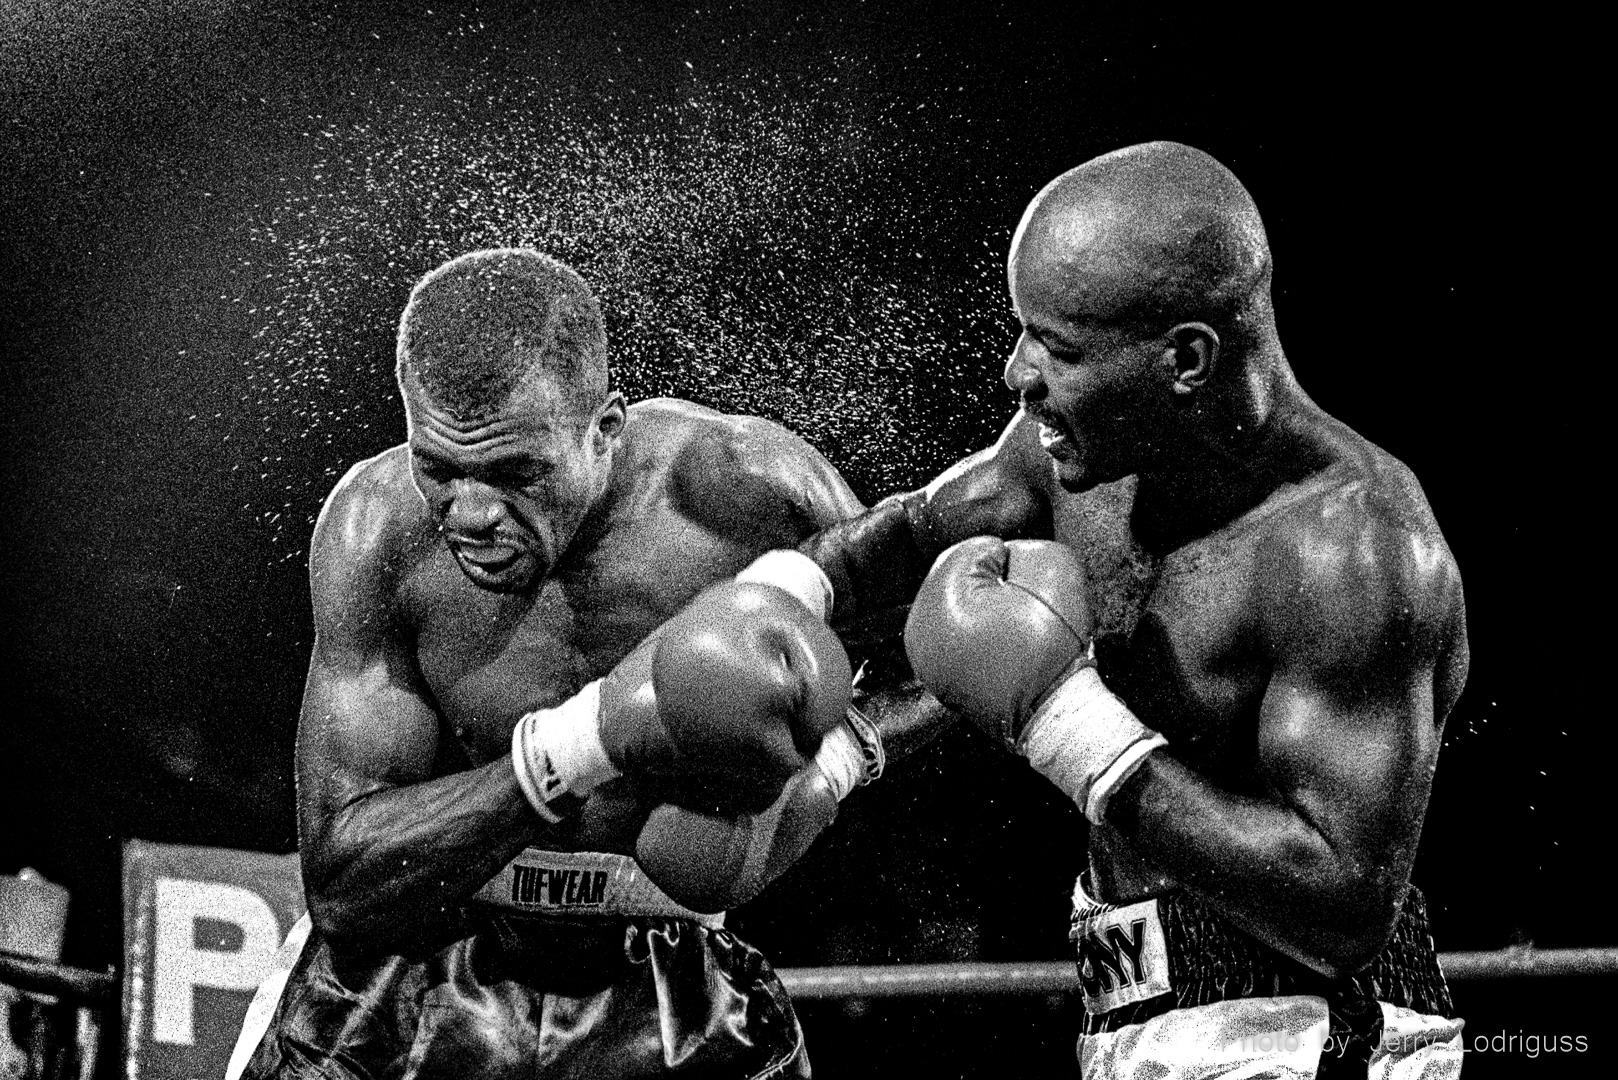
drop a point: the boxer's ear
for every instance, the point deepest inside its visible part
(1193, 350)
(610, 418)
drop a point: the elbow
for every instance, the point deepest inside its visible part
(341, 916)
(351, 930)
(337, 920)
(1352, 932)
(1345, 916)
(1348, 956)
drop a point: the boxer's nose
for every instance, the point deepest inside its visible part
(473, 508)
(1023, 373)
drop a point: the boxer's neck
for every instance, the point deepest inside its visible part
(1224, 472)
(611, 507)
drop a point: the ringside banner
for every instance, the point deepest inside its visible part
(201, 926)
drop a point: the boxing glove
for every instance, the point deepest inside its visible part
(710, 862)
(716, 710)
(1001, 632)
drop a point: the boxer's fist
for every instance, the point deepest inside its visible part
(715, 710)
(995, 625)
(727, 700)
(712, 862)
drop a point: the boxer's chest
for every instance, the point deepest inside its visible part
(1178, 637)
(489, 658)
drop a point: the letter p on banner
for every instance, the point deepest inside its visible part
(201, 927)
(186, 955)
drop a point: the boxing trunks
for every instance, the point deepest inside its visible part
(567, 966)
(1174, 991)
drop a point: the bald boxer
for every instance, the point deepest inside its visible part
(565, 704)
(1222, 622)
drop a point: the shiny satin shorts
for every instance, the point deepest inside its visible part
(541, 996)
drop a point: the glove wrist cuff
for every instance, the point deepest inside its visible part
(851, 754)
(792, 572)
(558, 751)
(1086, 741)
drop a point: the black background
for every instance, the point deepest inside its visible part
(201, 271)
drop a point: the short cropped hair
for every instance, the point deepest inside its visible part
(480, 326)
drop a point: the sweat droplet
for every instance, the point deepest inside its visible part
(742, 240)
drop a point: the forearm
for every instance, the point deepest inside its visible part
(908, 717)
(1265, 864)
(875, 560)
(396, 858)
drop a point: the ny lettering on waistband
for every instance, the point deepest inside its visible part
(1207, 959)
(582, 883)
(1122, 950)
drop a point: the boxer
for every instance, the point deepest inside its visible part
(1222, 622)
(569, 698)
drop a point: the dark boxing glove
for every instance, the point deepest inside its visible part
(711, 862)
(716, 710)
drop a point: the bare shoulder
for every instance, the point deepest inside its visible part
(721, 466)
(371, 528)
(752, 442)
(1354, 569)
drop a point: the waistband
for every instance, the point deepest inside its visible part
(588, 884)
(1138, 961)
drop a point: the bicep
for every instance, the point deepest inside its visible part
(1347, 732)
(366, 723)
(1353, 757)
(363, 718)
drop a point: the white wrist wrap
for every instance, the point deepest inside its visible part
(851, 754)
(795, 573)
(841, 760)
(559, 750)
(1086, 741)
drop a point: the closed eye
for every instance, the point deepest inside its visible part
(437, 471)
(528, 474)
(1057, 349)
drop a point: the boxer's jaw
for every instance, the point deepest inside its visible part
(1065, 449)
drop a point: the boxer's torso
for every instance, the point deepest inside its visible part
(1188, 639)
(697, 504)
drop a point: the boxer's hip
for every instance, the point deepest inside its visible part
(1173, 968)
(568, 993)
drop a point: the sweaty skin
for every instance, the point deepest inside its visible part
(1272, 591)
(422, 665)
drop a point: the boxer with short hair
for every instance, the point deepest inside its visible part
(1236, 657)
(565, 705)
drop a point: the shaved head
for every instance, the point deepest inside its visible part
(1142, 283)
(1146, 237)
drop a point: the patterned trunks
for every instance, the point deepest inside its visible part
(1174, 991)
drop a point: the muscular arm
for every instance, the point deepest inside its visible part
(1366, 637)
(385, 845)
(877, 560)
